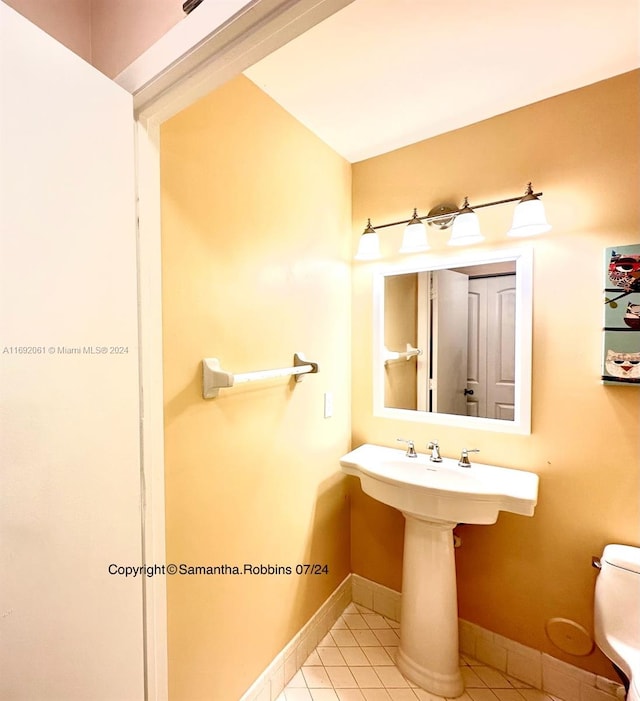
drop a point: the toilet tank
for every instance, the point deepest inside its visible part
(617, 604)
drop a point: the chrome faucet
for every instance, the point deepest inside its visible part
(464, 457)
(411, 448)
(435, 451)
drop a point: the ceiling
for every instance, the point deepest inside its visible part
(381, 74)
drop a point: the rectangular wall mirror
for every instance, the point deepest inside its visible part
(452, 342)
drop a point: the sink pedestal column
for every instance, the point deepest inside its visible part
(428, 653)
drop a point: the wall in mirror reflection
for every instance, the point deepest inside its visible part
(463, 322)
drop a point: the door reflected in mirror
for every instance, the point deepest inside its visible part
(455, 341)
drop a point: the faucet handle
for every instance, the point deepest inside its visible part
(464, 456)
(435, 451)
(411, 448)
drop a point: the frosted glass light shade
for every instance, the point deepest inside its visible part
(368, 247)
(414, 239)
(466, 229)
(529, 218)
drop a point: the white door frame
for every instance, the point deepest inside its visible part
(198, 55)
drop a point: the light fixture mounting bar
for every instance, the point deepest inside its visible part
(510, 199)
(454, 212)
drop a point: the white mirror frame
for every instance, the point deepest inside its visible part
(523, 258)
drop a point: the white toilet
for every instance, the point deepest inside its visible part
(617, 612)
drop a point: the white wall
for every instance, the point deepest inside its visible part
(69, 422)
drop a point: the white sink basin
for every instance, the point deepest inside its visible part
(433, 498)
(441, 491)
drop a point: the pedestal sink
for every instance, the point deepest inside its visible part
(433, 498)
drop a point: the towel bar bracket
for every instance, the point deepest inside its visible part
(298, 360)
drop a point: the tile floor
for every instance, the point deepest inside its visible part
(355, 662)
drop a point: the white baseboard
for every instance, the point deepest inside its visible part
(269, 685)
(376, 597)
(537, 669)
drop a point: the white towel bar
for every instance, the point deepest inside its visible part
(215, 378)
(411, 352)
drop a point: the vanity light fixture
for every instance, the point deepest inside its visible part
(414, 239)
(529, 217)
(369, 246)
(528, 220)
(466, 227)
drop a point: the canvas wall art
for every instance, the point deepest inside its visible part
(621, 350)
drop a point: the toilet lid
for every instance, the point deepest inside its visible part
(624, 556)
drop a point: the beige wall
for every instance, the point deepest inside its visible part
(110, 34)
(581, 149)
(256, 265)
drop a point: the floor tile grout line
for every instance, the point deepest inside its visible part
(361, 612)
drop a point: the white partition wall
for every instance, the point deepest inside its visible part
(70, 488)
